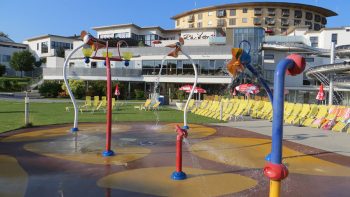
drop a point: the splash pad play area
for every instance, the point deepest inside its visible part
(168, 159)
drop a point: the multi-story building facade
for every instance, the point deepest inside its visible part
(274, 17)
(210, 48)
(48, 45)
(7, 48)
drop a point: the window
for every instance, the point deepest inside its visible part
(309, 16)
(257, 11)
(60, 45)
(147, 67)
(297, 22)
(347, 30)
(298, 14)
(269, 56)
(44, 47)
(6, 58)
(199, 24)
(317, 27)
(285, 12)
(269, 21)
(122, 35)
(232, 21)
(269, 75)
(190, 25)
(37, 46)
(257, 21)
(221, 23)
(210, 23)
(284, 30)
(244, 20)
(190, 18)
(308, 23)
(309, 59)
(317, 18)
(271, 11)
(210, 13)
(221, 13)
(245, 10)
(323, 21)
(284, 22)
(177, 22)
(335, 38)
(314, 41)
(200, 16)
(233, 12)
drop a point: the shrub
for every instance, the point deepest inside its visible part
(139, 94)
(180, 95)
(77, 86)
(2, 70)
(10, 84)
(50, 89)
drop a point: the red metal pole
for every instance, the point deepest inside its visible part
(178, 174)
(179, 139)
(109, 106)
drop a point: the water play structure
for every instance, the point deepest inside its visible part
(274, 169)
(91, 45)
(182, 133)
(294, 64)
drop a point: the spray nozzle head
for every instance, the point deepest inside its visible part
(181, 132)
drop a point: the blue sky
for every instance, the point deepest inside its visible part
(22, 19)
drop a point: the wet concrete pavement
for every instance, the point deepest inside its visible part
(219, 160)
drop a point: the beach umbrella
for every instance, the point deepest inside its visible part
(197, 90)
(117, 92)
(248, 89)
(186, 88)
(320, 94)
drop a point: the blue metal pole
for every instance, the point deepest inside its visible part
(261, 80)
(278, 109)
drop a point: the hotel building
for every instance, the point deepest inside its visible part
(210, 48)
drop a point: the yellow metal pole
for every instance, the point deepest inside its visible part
(275, 188)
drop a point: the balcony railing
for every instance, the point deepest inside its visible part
(92, 72)
(257, 12)
(287, 39)
(257, 21)
(190, 19)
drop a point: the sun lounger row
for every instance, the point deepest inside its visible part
(335, 118)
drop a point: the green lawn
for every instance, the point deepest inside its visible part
(12, 115)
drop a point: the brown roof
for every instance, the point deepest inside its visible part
(325, 12)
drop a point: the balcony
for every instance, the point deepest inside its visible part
(284, 22)
(298, 14)
(221, 23)
(90, 72)
(271, 12)
(285, 13)
(257, 21)
(270, 21)
(190, 19)
(217, 40)
(257, 12)
(324, 21)
(220, 13)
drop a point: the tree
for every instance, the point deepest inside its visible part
(2, 70)
(77, 86)
(22, 61)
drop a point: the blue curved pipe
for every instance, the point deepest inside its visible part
(278, 108)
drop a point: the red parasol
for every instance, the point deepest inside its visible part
(117, 92)
(186, 88)
(320, 94)
(197, 90)
(248, 88)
